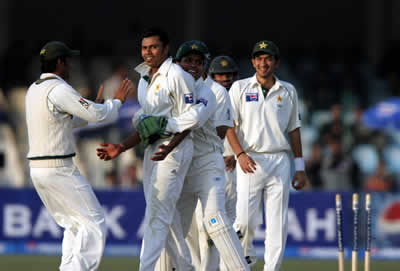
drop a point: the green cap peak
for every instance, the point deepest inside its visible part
(192, 46)
(54, 49)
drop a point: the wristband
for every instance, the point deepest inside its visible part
(299, 164)
(240, 153)
(122, 146)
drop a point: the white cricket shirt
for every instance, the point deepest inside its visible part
(169, 93)
(263, 122)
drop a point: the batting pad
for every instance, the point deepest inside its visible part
(226, 241)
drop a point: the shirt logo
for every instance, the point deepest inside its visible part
(279, 98)
(84, 103)
(189, 98)
(251, 97)
(214, 221)
(202, 101)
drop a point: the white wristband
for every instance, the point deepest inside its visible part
(299, 164)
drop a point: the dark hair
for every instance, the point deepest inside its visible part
(155, 31)
(51, 65)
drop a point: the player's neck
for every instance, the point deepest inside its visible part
(266, 82)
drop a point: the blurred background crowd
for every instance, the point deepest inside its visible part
(342, 60)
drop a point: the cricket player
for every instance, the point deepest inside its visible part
(164, 91)
(265, 109)
(53, 110)
(205, 179)
(223, 70)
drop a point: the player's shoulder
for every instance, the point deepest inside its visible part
(239, 86)
(176, 71)
(287, 85)
(217, 88)
(205, 91)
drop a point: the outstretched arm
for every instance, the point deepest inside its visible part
(110, 151)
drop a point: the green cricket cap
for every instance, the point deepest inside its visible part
(54, 49)
(267, 47)
(192, 46)
(222, 64)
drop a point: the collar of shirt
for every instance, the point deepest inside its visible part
(45, 75)
(143, 69)
(254, 83)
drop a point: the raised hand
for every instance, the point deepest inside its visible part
(124, 89)
(110, 151)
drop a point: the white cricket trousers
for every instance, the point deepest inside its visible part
(205, 183)
(70, 200)
(163, 182)
(198, 239)
(268, 185)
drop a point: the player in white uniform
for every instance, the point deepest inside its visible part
(205, 179)
(164, 90)
(223, 70)
(265, 109)
(53, 110)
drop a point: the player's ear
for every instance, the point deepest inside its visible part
(253, 61)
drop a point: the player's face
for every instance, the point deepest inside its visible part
(154, 52)
(265, 65)
(226, 79)
(194, 64)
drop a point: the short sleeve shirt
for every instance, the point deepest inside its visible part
(263, 122)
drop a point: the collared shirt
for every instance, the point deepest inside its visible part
(169, 93)
(264, 122)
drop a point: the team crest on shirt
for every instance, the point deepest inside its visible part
(251, 97)
(279, 98)
(202, 101)
(189, 98)
(84, 103)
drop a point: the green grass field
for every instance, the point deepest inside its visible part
(43, 263)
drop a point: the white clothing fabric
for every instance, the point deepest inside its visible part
(263, 122)
(269, 185)
(70, 200)
(53, 109)
(170, 93)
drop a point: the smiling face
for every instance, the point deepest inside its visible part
(154, 52)
(193, 63)
(265, 65)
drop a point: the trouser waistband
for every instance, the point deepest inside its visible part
(51, 163)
